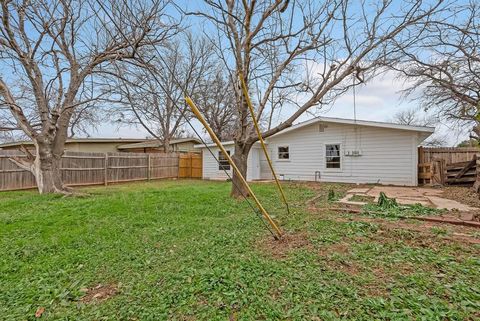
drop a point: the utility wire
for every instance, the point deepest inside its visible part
(174, 102)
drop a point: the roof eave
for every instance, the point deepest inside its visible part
(368, 123)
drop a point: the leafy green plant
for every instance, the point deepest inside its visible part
(399, 211)
(332, 197)
(362, 198)
(388, 207)
(439, 231)
(386, 202)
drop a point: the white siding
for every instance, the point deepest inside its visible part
(388, 156)
(210, 164)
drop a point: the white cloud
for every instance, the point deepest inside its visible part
(107, 130)
(379, 100)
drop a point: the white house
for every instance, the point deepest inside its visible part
(332, 150)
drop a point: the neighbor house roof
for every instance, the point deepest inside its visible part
(81, 140)
(156, 143)
(425, 130)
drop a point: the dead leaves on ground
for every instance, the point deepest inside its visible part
(98, 293)
(39, 312)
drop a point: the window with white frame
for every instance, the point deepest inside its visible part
(332, 156)
(223, 163)
(283, 152)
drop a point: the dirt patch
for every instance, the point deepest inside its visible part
(339, 248)
(424, 236)
(389, 235)
(100, 292)
(426, 230)
(347, 267)
(461, 194)
(322, 191)
(378, 287)
(288, 243)
(342, 264)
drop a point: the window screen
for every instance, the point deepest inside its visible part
(332, 156)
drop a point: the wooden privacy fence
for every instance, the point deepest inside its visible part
(449, 155)
(80, 168)
(447, 165)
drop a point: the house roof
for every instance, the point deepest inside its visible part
(126, 143)
(81, 140)
(426, 131)
(370, 123)
(156, 143)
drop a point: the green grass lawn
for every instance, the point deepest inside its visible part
(184, 250)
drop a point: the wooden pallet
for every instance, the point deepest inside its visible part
(462, 173)
(431, 173)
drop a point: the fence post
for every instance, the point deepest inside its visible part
(191, 164)
(421, 158)
(442, 171)
(179, 157)
(105, 170)
(149, 167)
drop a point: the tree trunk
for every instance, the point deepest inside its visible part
(166, 145)
(45, 165)
(46, 169)
(240, 159)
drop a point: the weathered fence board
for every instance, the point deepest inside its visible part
(434, 161)
(463, 173)
(80, 168)
(13, 177)
(431, 173)
(449, 155)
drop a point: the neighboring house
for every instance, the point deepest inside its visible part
(106, 145)
(182, 145)
(333, 150)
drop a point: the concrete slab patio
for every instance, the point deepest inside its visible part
(430, 197)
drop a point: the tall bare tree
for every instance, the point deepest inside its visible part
(151, 94)
(295, 55)
(50, 53)
(415, 117)
(216, 100)
(443, 64)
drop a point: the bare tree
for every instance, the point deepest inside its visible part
(415, 117)
(215, 98)
(50, 53)
(86, 119)
(295, 55)
(443, 64)
(157, 104)
(8, 134)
